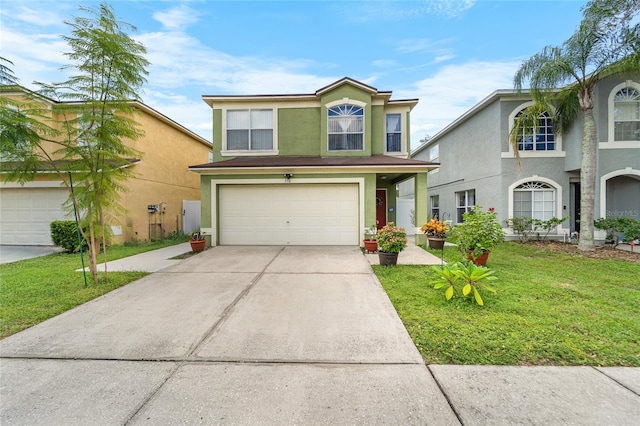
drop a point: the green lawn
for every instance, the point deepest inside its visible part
(34, 290)
(550, 309)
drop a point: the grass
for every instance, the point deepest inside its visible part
(550, 309)
(34, 290)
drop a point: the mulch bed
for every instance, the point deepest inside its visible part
(606, 252)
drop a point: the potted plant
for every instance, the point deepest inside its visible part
(479, 232)
(436, 232)
(370, 242)
(391, 241)
(197, 242)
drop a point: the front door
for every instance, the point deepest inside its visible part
(575, 207)
(381, 208)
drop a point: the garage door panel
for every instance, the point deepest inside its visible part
(26, 214)
(289, 214)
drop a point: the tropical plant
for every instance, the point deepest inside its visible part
(391, 239)
(435, 228)
(91, 158)
(465, 280)
(370, 232)
(479, 231)
(606, 43)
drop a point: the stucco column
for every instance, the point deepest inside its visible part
(420, 207)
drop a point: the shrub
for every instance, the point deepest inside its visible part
(64, 233)
(479, 231)
(392, 239)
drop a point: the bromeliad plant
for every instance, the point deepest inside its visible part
(461, 279)
(435, 228)
(392, 239)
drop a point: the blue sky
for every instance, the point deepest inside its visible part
(450, 54)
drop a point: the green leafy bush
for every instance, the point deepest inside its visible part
(478, 232)
(64, 233)
(525, 227)
(392, 239)
(622, 228)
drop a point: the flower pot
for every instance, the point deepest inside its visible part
(197, 245)
(436, 243)
(480, 260)
(371, 246)
(387, 259)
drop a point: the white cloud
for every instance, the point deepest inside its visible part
(452, 91)
(450, 8)
(177, 18)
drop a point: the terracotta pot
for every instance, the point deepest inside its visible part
(371, 246)
(480, 260)
(387, 259)
(436, 243)
(197, 245)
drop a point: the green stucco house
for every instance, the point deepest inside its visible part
(307, 169)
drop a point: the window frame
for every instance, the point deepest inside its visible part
(395, 132)
(336, 106)
(536, 135)
(510, 153)
(636, 89)
(434, 203)
(225, 151)
(460, 208)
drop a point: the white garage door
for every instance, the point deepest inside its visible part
(26, 213)
(289, 214)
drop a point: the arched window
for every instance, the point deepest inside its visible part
(345, 126)
(540, 138)
(535, 200)
(626, 114)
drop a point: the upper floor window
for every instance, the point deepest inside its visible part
(537, 139)
(434, 153)
(626, 114)
(249, 129)
(345, 126)
(394, 132)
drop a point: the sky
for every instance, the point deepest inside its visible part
(449, 54)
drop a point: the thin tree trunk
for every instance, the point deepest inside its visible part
(588, 181)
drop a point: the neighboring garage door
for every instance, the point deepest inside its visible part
(26, 214)
(289, 214)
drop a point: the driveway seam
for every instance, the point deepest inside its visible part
(209, 332)
(446, 396)
(616, 381)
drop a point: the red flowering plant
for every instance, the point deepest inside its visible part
(392, 239)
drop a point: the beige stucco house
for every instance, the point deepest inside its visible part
(157, 195)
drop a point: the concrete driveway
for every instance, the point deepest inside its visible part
(272, 335)
(235, 335)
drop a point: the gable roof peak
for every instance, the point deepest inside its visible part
(346, 80)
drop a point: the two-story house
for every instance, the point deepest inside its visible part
(478, 165)
(160, 195)
(307, 169)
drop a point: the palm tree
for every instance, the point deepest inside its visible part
(606, 43)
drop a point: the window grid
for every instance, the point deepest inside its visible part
(465, 201)
(435, 206)
(626, 112)
(540, 139)
(535, 200)
(345, 128)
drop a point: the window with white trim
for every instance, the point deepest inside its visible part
(535, 200)
(537, 139)
(434, 153)
(465, 200)
(394, 133)
(435, 206)
(249, 129)
(626, 114)
(345, 128)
